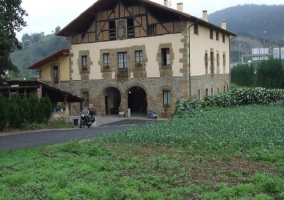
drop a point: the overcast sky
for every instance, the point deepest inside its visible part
(45, 15)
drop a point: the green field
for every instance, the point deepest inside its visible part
(232, 153)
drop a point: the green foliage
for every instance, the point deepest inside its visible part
(186, 107)
(25, 113)
(270, 74)
(223, 130)
(47, 107)
(48, 44)
(244, 96)
(4, 112)
(235, 97)
(15, 118)
(252, 19)
(33, 102)
(243, 75)
(43, 109)
(11, 15)
(138, 164)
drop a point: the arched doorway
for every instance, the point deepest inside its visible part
(112, 100)
(137, 100)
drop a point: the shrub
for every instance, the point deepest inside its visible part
(33, 102)
(186, 107)
(15, 119)
(235, 97)
(4, 112)
(24, 110)
(47, 107)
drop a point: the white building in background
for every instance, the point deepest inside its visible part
(276, 53)
(260, 54)
(282, 53)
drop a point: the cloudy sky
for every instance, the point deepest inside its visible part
(45, 15)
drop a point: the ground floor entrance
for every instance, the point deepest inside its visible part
(134, 101)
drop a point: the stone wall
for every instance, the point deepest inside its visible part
(152, 86)
(217, 82)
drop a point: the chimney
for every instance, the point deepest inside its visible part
(180, 7)
(204, 15)
(223, 24)
(166, 3)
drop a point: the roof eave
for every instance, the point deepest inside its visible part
(61, 52)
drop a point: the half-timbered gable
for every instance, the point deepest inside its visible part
(123, 20)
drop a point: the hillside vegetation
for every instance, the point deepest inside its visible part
(253, 19)
(35, 52)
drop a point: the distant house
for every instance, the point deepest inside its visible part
(54, 69)
(140, 55)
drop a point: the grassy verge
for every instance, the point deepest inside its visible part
(222, 154)
(39, 126)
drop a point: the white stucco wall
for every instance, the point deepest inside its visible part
(63, 63)
(202, 42)
(151, 44)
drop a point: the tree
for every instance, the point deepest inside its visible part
(270, 74)
(57, 29)
(26, 37)
(11, 20)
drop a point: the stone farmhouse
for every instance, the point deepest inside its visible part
(141, 55)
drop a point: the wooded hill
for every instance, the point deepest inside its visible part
(253, 19)
(35, 50)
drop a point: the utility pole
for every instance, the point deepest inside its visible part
(264, 38)
(240, 52)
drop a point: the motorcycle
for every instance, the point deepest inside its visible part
(87, 118)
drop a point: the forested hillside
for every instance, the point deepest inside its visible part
(262, 21)
(35, 47)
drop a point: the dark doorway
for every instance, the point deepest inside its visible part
(112, 100)
(106, 103)
(137, 100)
(55, 73)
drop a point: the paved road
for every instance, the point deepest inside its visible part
(50, 137)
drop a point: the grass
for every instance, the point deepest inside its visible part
(221, 154)
(39, 126)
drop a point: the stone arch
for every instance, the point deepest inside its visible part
(101, 103)
(147, 95)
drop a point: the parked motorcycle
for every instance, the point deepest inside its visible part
(87, 118)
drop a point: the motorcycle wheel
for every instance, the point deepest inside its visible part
(89, 125)
(81, 124)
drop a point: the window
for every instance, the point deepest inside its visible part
(199, 95)
(206, 92)
(167, 98)
(112, 30)
(138, 57)
(122, 60)
(211, 34)
(84, 62)
(166, 59)
(223, 38)
(217, 35)
(224, 63)
(130, 28)
(212, 92)
(152, 30)
(218, 64)
(106, 59)
(86, 96)
(206, 63)
(211, 62)
(55, 74)
(196, 29)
